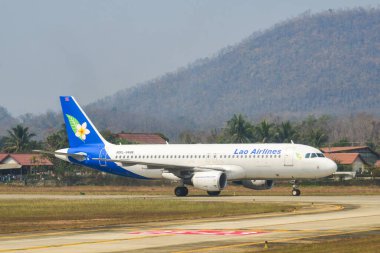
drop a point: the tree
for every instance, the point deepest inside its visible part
(57, 139)
(19, 140)
(239, 130)
(285, 132)
(317, 137)
(342, 143)
(264, 131)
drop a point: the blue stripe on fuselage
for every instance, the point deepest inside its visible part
(93, 151)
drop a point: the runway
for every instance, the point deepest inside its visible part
(324, 216)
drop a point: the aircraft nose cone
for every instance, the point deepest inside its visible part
(332, 167)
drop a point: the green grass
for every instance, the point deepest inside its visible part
(368, 244)
(278, 190)
(40, 214)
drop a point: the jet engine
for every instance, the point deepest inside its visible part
(258, 184)
(209, 180)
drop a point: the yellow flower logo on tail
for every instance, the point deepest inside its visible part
(80, 130)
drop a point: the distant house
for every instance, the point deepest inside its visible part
(21, 164)
(366, 153)
(142, 138)
(353, 161)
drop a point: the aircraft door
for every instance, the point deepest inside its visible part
(288, 157)
(103, 155)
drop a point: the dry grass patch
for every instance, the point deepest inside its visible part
(369, 244)
(278, 190)
(41, 214)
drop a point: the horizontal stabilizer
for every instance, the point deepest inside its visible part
(76, 156)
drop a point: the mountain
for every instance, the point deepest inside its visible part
(327, 63)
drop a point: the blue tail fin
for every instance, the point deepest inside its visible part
(79, 127)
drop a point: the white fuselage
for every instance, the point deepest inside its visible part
(239, 161)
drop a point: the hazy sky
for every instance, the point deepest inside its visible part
(92, 48)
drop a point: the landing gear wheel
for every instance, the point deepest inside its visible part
(181, 191)
(213, 193)
(296, 192)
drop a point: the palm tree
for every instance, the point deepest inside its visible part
(317, 137)
(18, 139)
(285, 132)
(264, 131)
(239, 130)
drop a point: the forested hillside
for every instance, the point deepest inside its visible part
(6, 120)
(328, 63)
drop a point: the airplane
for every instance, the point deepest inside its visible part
(205, 166)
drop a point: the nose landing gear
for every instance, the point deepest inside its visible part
(296, 191)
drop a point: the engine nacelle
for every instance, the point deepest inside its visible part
(258, 184)
(209, 180)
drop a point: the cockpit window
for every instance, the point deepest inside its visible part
(320, 155)
(313, 155)
(307, 155)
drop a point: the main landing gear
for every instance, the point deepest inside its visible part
(296, 191)
(214, 193)
(181, 191)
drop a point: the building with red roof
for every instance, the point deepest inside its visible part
(366, 153)
(18, 164)
(352, 160)
(142, 138)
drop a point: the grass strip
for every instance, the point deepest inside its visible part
(40, 214)
(368, 244)
(278, 190)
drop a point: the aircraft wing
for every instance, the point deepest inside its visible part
(162, 165)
